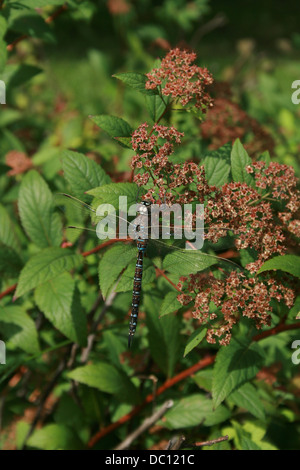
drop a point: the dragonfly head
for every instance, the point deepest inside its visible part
(143, 207)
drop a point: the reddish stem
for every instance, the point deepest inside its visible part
(100, 247)
(11, 289)
(8, 291)
(57, 13)
(162, 273)
(48, 20)
(276, 330)
(205, 362)
(169, 383)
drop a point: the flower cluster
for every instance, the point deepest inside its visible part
(241, 210)
(281, 184)
(232, 298)
(152, 154)
(226, 121)
(253, 214)
(179, 78)
(260, 217)
(153, 150)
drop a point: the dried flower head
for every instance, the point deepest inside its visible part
(219, 304)
(179, 78)
(226, 121)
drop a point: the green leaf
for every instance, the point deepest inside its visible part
(248, 444)
(195, 410)
(20, 328)
(126, 281)
(79, 319)
(239, 160)
(36, 211)
(46, 265)
(155, 106)
(22, 430)
(55, 437)
(82, 173)
(3, 26)
(137, 81)
(33, 25)
(3, 168)
(170, 304)
(106, 378)
(124, 142)
(287, 263)
(188, 262)
(194, 340)
(244, 440)
(110, 194)
(114, 346)
(3, 55)
(114, 126)
(9, 141)
(15, 75)
(40, 3)
(294, 312)
(164, 335)
(217, 166)
(8, 235)
(112, 264)
(265, 157)
(55, 298)
(235, 364)
(204, 379)
(247, 397)
(10, 263)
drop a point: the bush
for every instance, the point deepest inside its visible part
(213, 347)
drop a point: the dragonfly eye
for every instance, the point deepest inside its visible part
(142, 209)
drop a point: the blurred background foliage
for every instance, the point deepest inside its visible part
(62, 73)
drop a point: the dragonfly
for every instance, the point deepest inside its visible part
(186, 261)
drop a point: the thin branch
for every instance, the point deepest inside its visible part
(145, 425)
(169, 383)
(209, 443)
(202, 364)
(56, 14)
(216, 22)
(276, 330)
(92, 336)
(100, 247)
(12, 288)
(48, 20)
(162, 273)
(8, 291)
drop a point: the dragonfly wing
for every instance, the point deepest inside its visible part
(190, 262)
(183, 262)
(175, 258)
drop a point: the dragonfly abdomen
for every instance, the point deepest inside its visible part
(137, 285)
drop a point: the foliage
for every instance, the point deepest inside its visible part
(106, 120)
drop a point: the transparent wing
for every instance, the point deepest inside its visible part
(170, 255)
